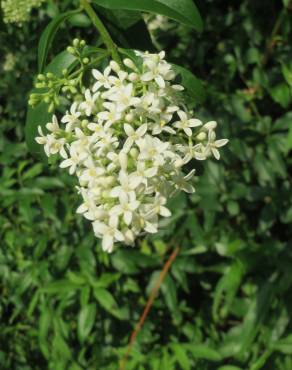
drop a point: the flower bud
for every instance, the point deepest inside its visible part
(76, 43)
(123, 159)
(201, 136)
(114, 66)
(51, 107)
(129, 63)
(41, 77)
(134, 153)
(211, 125)
(129, 117)
(71, 50)
(133, 77)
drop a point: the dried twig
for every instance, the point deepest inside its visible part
(148, 306)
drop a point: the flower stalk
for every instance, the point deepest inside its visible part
(110, 45)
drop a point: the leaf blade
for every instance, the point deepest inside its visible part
(48, 35)
(183, 11)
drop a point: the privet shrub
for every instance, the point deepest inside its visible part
(225, 303)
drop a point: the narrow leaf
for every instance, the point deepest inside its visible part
(48, 35)
(86, 321)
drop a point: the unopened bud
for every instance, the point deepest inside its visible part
(41, 77)
(201, 136)
(114, 66)
(133, 77)
(51, 108)
(76, 42)
(211, 125)
(129, 63)
(71, 50)
(134, 153)
(123, 159)
(129, 117)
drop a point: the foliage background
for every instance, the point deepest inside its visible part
(226, 303)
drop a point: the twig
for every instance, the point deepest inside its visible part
(148, 306)
(111, 46)
(271, 42)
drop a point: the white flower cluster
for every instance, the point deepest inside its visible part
(18, 11)
(128, 142)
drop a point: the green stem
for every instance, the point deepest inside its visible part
(112, 48)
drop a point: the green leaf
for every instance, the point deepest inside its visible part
(181, 356)
(39, 116)
(183, 11)
(168, 289)
(287, 73)
(86, 320)
(122, 19)
(284, 345)
(193, 86)
(281, 94)
(226, 289)
(59, 287)
(48, 35)
(107, 301)
(203, 351)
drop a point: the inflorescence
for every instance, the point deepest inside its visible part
(128, 142)
(18, 11)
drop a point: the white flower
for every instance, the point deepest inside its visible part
(111, 115)
(191, 151)
(108, 232)
(133, 135)
(186, 123)
(102, 79)
(158, 206)
(128, 204)
(151, 148)
(128, 184)
(54, 125)
(71, 118)
(182, 182)
(117, 82)
(91, 172)
(51, 144)
(213, 144)
(124, 98)
(158, 70)
(74, 161)
(143, 173)
(89, 105)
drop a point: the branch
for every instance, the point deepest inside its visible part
(112, 48)
(148, 306)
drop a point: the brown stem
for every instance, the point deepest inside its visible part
(271, 41)
(148, 306)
